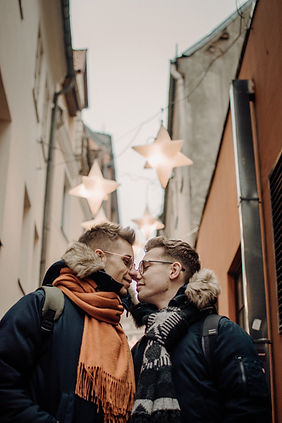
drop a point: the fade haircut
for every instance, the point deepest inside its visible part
(179, 250)
(104, 234)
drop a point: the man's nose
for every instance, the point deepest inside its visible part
(135, 274)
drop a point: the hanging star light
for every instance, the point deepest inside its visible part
(148, 223)
(138, 246)
(163, 155)
(99, 218)
(95, 188)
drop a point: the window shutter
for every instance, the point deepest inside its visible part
(275, 192)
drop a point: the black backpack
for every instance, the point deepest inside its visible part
(209, 334)
(52, 308)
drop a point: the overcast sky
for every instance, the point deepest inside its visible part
(130, 44)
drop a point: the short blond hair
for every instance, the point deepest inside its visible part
(104, 234)
(179, 250)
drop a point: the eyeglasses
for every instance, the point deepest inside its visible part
(141, 268)
(128, 260)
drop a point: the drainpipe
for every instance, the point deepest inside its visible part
(241, 93)
(179, 105)
(179, 101)
(49, 177)
(70, 77)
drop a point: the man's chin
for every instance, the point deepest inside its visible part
(123, 292)
(140, 298)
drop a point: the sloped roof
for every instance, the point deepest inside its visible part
(99, 137)
(207, 68)
(216, 31)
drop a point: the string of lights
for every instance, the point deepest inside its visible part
(135, 177)
(137, 129)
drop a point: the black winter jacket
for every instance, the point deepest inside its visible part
(235, 392)
(37, 369)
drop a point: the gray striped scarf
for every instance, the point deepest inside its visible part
(155, 395)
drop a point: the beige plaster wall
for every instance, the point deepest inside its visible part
(22, 156)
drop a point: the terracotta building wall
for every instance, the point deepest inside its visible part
(263, 64)
(219, 234)
(218, 239)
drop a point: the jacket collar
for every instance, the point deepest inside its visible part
(84, 263)
(202, 290)
(199, 293)
(105, 282)
(82, 260)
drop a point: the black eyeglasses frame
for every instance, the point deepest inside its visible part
(128, 260)
(141, 264)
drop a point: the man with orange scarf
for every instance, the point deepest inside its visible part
(82, 371)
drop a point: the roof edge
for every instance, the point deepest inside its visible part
(203, 41)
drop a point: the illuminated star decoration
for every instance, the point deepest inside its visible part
(148, 223)
(138, 246)
(163, 155)
(99, 218)
(95, 188)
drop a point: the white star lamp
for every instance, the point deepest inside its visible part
(95, 188)
(163, 155)
(148, 223)
(99, 218)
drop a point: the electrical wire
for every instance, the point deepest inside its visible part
(138, 127)
(172, 103)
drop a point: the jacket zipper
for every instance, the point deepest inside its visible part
(242, 368)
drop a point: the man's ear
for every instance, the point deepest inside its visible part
(100, 253)
(175, 270)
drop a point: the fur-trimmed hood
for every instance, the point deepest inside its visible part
(203, 288)
(202, 291)
(82, 260)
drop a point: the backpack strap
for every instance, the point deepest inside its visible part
(52, 308)
(209, 334)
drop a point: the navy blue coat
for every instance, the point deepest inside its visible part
(38, 369)
(236, 392)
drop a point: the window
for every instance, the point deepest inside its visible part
(236, 293)
(239, 298)
(37, 73)
(26, 245)
(4, 108)
(46, 113)
(5, 135)
(275, 181)
(35, 259)
(66, 209)
(21, 9)
(45, 122)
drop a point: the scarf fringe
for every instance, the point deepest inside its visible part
(114, 396)
(171, 416)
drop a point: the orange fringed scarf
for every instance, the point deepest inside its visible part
(105, 372)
